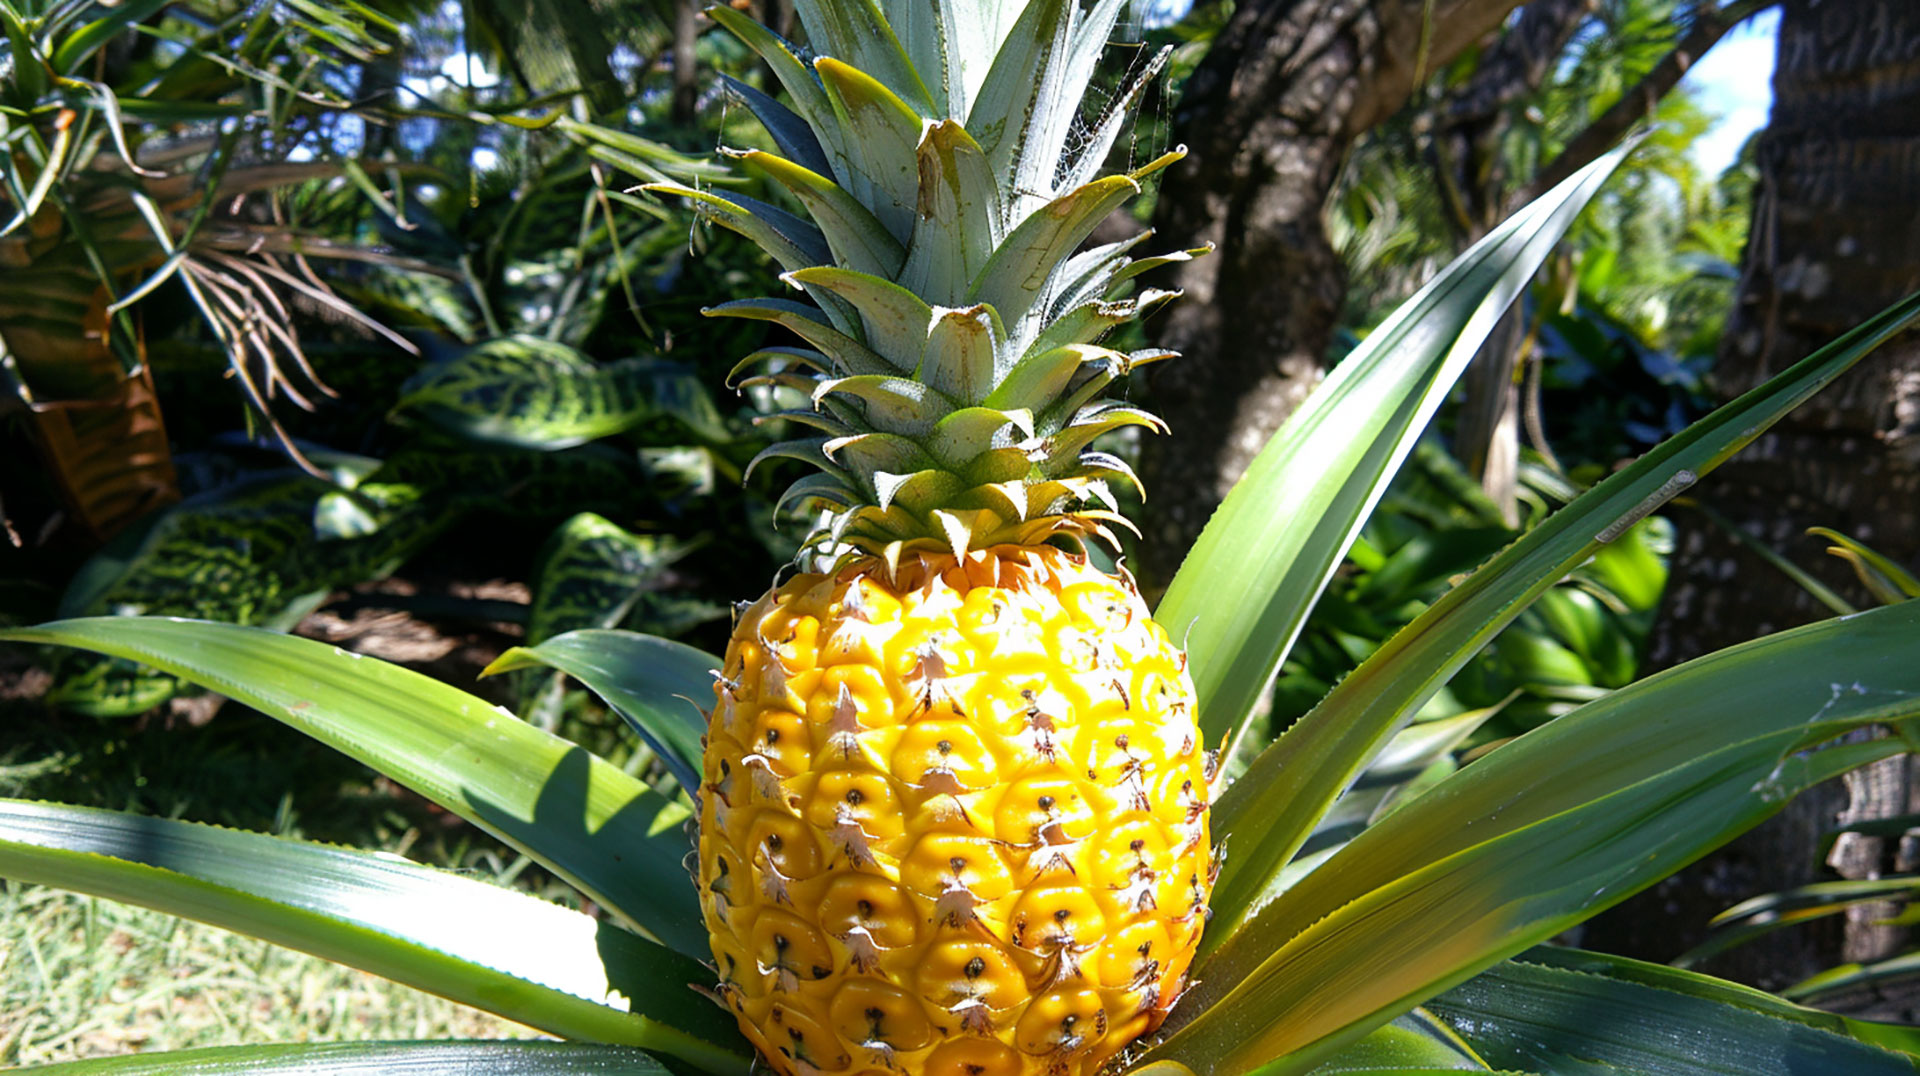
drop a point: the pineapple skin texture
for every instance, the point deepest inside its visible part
(955, 823)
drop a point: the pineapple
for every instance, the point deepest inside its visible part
(953, 814)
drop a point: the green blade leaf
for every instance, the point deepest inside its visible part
(554, 969)
(848, 354)
(789, 240)
(875, 159)
(373, 1059)
(1017, 274)
(1887, 580)
(73, 51)
(1329, 464)
(1577, 1013)
(959, 219)
(894, 320)
(1775, 911)
(858, 240)
(655, 684)
(607, 834)
(1322, 751)
(1837, 982)
(1416, 1042)
(1544, 831)
(857, 32)
(789, 132)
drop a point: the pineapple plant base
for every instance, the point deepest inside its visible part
(953, 817)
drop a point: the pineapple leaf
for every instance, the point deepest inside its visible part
(1323, 751)
(1089, 322)
(1546, 830)
(809, 450)
(959, 215)
(878, 159)
(1045, 375)
(801, 84)
(893, 404)
(847, 353)
(921, 493)
(816, 487)
(874, 453)
(1561, 1010)
(1136, 266)
(1330, 462)
(895, 319)
(656, 685)
(787, 357)
(858, 240)
(791, 241)
(1774, 911)
(857, 32)
(1021, 87)
(493, 1057)
(1025, 263)
(1088, 273)
(1089, 424)
(963, 435)
(1886, 580)
(796, 141)
(556, 970)
(963, 351)
(605, 833)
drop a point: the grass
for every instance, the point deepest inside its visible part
(81, 977)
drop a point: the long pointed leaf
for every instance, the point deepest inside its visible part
(1321, 752)
(1329, 464)
(606, 833)
(478, 944)
(657, 685)
(1554, 826)
(1565, 1011)
(373, 1059)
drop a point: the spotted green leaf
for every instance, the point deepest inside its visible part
(527, 392)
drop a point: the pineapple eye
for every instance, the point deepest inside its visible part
(1048, 1025)
(970, 970)
(867, 798)
(859, 901)
(874, 1012)
(1047, 807)
(812, 1043)
(940, 860)
(943, 755)
(974, 1057)
(1062, 914)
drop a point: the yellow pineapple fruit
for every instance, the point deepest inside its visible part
(954, 817)
(953, 813)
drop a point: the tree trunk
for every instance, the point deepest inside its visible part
(1268, 118)
(1836, 228)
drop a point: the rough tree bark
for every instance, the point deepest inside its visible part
(1835, 238)
(1268, 117)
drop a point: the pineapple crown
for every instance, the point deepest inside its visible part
(955, 374)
